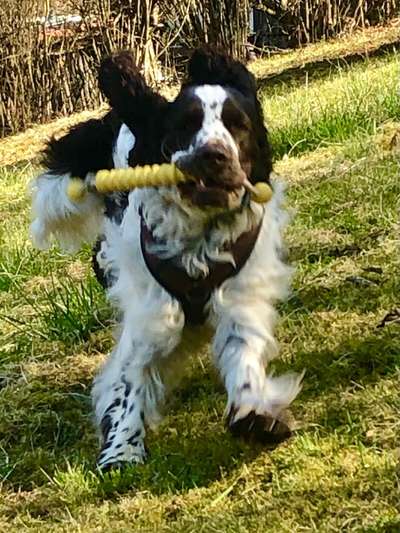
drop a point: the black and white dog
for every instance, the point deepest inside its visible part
(180, 255)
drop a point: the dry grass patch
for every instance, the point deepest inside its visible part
(363, 42)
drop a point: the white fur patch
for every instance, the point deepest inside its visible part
(212, 99)
(56, 216)
(181, 228)
(123, 145)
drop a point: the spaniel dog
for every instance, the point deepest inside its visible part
(177, 257)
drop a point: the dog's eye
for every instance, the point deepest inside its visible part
(238, 121)
(191, 120)
(234, 118)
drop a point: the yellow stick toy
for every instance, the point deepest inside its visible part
(125, 179)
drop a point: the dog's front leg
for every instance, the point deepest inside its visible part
(255, 400)
(128, 391)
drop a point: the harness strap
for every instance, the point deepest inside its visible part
(194, 293)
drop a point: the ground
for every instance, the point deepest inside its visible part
(336, 136)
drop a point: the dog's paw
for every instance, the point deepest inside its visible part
(106, 468)
(261, 428)
(107, 464)
(118, 457)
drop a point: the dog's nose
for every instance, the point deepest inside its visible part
(214, 154)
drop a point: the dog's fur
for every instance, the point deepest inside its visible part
(214, 130)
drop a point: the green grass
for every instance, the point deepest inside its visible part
(340, 471)
(349, 102)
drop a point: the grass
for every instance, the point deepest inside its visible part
(370, 41)
(360, 43)
(348, 102)
(340, 471)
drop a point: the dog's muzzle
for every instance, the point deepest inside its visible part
(218, 177)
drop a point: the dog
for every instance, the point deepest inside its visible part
(178, 257)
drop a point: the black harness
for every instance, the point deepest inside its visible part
(194, 293)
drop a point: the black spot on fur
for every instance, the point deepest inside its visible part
(128, 386)
(106, 445)
(116, 204)
(110, 461)
(230, 338)
(105, 426)
(105, 279)
(133, 437)
(115, 403)
(131, 408)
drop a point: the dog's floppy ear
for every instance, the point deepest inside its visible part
(125, 88)
(119, 77)
(208, 66)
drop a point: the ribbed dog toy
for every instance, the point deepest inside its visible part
(125, 179)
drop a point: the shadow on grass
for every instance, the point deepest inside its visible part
(350, 295)
(367, 289)
(355, 361)
(48, 429)
(321, 68)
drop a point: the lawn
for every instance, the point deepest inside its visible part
(337, 145)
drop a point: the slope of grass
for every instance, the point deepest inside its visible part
(340, 471)
(363, 43)
(370, 41)
(350, 101)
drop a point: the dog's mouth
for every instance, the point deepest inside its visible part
(212, 187)
(213, 195)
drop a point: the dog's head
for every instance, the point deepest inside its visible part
(214, 130)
